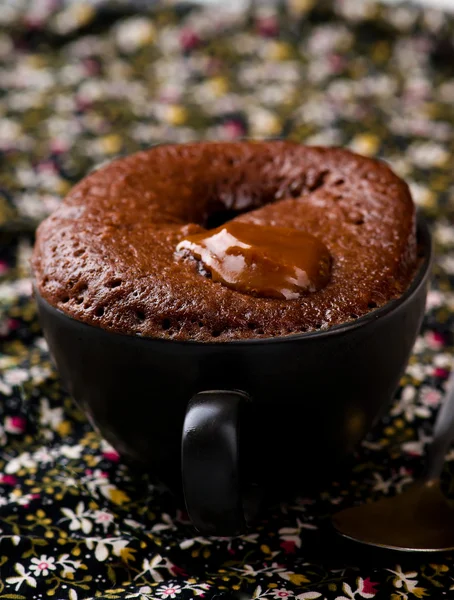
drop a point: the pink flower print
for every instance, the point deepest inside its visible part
(233, 129)
(21, 500)
(268, 26)
(111, 455)
(183, 517)
(189, 39)
(8, 479)
(429, 396)
(367, 588)
(47, 167)
(103, 518)
(83, 103)
(169, 591)
(336, 62)
(282, 594)
(435, 340)
(288, 547)
(434, 299)
(15, 424)
(441, 373)
(59, 146)
(169, 95)
(3, 267)
(34, 21)
(91, 66)
(178, 571)
(13, 324)
(42, 565)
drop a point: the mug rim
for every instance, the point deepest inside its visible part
(423, 236)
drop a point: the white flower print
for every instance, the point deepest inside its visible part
(251, 538)
(381, 484)
(427, 154)
(67, 481)
(282, 593)
(444, 360)
(69, 566)
(268, 570)
(71, 451)
(22, 577)
(143, 593)
(23, 500)
(249, 571)
(446, 262)
(11, 378)
(42, 565)
(50, 416)
(133, 33)
(199, 589)
(185, 544)
(132, 523)
(43, 456)
(22, 460)
(152, 567)
(398, 479)
(168, 591)
(167, 523)
(38, 374)
(416, 447)
(365, 589)
(78, 519)
(408, 406)
(101, 546)
(418, 371)
(20, 287)
(444, 233)
(98, 483)
(292, 534)
(404, 579)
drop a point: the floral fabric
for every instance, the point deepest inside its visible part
(81, 83)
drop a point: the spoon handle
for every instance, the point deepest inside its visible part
(443, 435)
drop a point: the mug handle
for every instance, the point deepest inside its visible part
(210, 462)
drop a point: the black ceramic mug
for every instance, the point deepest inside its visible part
(220, 422)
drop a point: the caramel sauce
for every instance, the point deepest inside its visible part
(273, 262)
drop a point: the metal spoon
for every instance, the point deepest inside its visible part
(419, 519)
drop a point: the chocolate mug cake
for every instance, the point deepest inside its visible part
(203, 299)
(122, 252)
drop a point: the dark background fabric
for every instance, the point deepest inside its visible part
(81, 83)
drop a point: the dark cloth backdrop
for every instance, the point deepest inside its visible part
(81, 83)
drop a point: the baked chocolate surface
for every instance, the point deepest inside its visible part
(107, 255)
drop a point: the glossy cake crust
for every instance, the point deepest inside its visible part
(107, 255)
